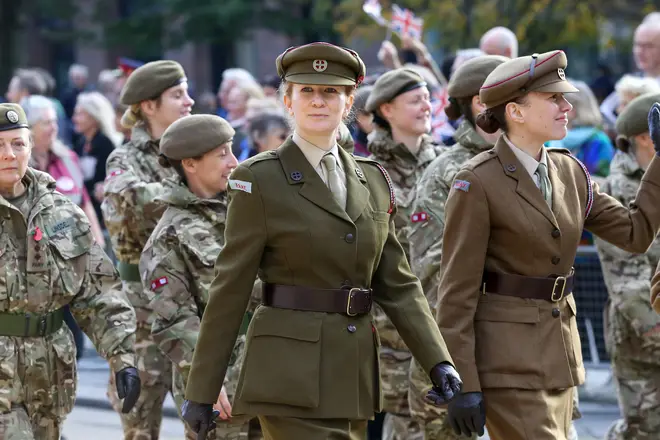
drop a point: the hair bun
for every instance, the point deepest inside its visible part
(164, 161)
(623, 143)
(453, 110)
(487, 121)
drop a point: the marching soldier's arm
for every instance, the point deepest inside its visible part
(176, 314)
(400, 295)
(465, 238)
(235, 271)
(632, 229)
(127, 200)
(655, 290)
(104, 312)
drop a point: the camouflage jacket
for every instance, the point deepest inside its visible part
(48, 259)
(177, 266)
(428, 208)
(130, 206)
(405, 169)
(628, 276)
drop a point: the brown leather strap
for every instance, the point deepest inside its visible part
(549, 289)
(349, 301)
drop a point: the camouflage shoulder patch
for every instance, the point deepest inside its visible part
(60, 226)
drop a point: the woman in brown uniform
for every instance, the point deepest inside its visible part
(514, 218)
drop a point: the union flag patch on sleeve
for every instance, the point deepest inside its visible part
(160, 282)
(419, 217)
(463, 185)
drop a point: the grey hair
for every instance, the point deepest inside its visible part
(31, 81)
(100, 108)
(78, 69)
(239, 75)
(636, 85)
(34, 106)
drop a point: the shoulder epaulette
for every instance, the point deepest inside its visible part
(264, 155)
(590, 191)
(480, 159)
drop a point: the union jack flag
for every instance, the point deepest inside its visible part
(405, 23)
(440, 126)
(373, 10)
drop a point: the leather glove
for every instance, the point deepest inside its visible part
(467, 414)
(446, 383)
(200, 417)
(128, 387)
(654, 126)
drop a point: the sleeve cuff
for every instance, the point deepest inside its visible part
(121, 361)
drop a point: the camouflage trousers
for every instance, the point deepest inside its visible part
(398, 424)
(144, 420)
(636, 373)
(17, 425)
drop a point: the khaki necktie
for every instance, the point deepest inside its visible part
(334, 180)
(544, 183)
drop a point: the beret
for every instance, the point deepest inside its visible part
(12, 117)
(633, 120)
(195, 135)
(471, 75)
(150, 80)
(322, 64)
(533, 73)
(392, 84)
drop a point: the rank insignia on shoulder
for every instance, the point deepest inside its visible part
(241, 185)
(419, 217)
(160, 282)
(463, 185)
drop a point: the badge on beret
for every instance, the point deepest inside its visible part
(12, 116)
(561, 74)
(320, 65)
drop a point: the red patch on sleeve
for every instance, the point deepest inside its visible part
(419, 217)
(159, 282)
(114, 173)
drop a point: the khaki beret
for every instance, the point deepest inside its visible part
(322, 64)
(534, 73)
(471, 75)
(195, 135)
(633, 120)
(392, 84)
(12, 117)
(150, 80)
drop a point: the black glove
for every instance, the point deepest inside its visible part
(467, 414)
(128, 387)
(446, 383)
(200, 417)
(654, 126)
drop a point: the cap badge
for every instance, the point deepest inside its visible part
(320, 65)
(12, 116)
(561, 74)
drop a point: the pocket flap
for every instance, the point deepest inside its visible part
(507, 312)
(292, 324)
(381, 216)
(69, 246)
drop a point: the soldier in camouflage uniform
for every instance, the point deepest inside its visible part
(400, 103)
(49, 260)
(427, 221)
(157, 95)
(177, 261)
(633, 328)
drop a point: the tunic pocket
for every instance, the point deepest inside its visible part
(575, 335)
(64, 372)
(507, 339)
(283, 359)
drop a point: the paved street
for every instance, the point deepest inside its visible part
(93, 418)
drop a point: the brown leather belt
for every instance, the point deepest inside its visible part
(351, 301)
(550, 288)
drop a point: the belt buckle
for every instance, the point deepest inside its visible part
(351, 293)
(554, 288)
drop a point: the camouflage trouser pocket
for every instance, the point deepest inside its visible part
(64, 373)
(8, 367)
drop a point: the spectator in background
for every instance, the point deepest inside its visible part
(363, 124)
(25, 83)
(268, 131)
(585, 138)
(271, 85)
(230, 78)
(499, 41)
(94, 121)
(106, 84)
(603, 84)
(120, 109)
(630, 87)
(236, 105)
(78, 76)
(64, 132)
(206, 103)
(463, 55)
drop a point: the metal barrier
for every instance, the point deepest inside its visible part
(590, 296)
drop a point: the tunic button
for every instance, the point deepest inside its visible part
(37, 247)
(555, 313)
(556, 233)
(349, 238)
(351, 328)
(555, 260)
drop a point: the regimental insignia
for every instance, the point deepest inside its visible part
(12, 116)
(320, 65)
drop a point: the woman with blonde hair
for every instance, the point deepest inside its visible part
(586, 139)
(93, 119)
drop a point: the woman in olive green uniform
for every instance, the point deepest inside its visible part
(316, 224)
(177, 261)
